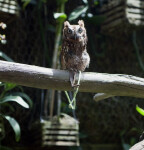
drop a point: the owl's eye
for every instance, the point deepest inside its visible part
(80, 30)
(69, 31)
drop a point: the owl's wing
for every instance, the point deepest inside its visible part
(88, 60)
(62, 60)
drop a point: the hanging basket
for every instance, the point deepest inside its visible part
(122, 13)
(8, 10)
(63, 131)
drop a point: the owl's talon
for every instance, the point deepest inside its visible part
(75, 85)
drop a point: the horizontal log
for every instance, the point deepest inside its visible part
(46, 78)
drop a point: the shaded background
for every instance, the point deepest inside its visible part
(30, 40)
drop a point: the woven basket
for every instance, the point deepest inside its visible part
(122, 13)
(8, 10)
(64, 132)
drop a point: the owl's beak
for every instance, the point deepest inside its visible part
(76, 37)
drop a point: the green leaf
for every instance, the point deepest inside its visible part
(9, 86)
(25, 3)
(77, 12)
(85, 1)
(17, 99)
(4, 56)
(23, 95)
(140, 110)
(60, 17)
(15, 125)
(126, 146)
(133, 141)
(1, 84)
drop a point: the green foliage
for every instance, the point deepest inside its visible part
(25, 96)
(77, 12)
(85, 1)
(133, 133)
(26, 2)
(84, 11)
(4, 56)
(126, 146)
(140, 110)
(8, 96)
(15, 126)
(60, 17)
(16, 99)
(9, 86)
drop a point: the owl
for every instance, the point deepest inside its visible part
(74, 56)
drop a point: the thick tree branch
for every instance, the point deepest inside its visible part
(45, 78)
(101, 96)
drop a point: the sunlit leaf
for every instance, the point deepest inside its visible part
(9, 86)
(60, 17)
(85, 1)
(140, 110)
(77, 12)
(23, 95)
(17, 99)
(15, 125)
(1, 84)
(4, 56)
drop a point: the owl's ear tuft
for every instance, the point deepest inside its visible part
(66, 24)
(81, 23)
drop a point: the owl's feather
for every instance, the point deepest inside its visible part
(74, 56)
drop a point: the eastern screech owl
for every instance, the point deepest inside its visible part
(74, 56)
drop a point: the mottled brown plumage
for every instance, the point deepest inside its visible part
(74, 56)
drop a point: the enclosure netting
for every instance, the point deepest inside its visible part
(102, 121)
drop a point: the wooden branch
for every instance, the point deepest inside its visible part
(100, 96)
(45, 78)
(138, 146)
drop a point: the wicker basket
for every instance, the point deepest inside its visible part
(8, 10)
(56, 133)
(122, 13)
